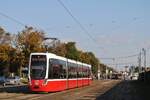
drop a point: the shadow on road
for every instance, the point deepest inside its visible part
(127, 90)
(15, 89)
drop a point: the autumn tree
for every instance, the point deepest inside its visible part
(5, 47)
(59, 50)
(29, 40)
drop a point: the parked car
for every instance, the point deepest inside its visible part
(134, 77)
(2, 80)
(13, 80)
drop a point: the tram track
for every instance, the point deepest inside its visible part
(87, 92)
(83, 93)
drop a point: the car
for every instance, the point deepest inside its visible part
(13, 80)
(114, 76)
(2, 80)
(134, 77)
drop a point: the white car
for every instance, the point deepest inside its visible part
(13, 80)
(134, 77)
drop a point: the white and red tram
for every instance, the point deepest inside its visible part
(49, 73)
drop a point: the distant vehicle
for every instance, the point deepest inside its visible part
(13, 80)
(116, 76)
(2, 80)
(134, 77)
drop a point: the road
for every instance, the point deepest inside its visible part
(22, 92)
(99, 90)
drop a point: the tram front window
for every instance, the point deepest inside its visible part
(38, 66)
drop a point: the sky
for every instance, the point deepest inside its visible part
(114, 28)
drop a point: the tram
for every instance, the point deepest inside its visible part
(50, 73)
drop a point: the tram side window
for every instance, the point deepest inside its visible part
(57, 69)
(85, 71)
(79, 71)
(72, 70)
(63, 70)
(89, 72)
(75, 66)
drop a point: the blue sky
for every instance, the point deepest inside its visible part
(120, 27)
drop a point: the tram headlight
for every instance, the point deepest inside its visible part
(36, 82)
(44, 82)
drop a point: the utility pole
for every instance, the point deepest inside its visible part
(115, 65)
(144, 52)
(99, 72)
(139, 62)
(106, 70)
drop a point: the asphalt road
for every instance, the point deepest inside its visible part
(22, 93)
(99, 90)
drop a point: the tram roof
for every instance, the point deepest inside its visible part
(52, 55)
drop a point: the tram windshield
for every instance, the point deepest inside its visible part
(38, 66)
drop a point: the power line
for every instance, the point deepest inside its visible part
(107, 58)
(87, 33)
(121, 57)
(78, 22)
(90, 36)
(12, 19)
(127, 63)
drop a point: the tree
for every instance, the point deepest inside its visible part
(15, 50)
(59, 50)
(94, 62)
(27, 41)
(72, 52)
(5, 47)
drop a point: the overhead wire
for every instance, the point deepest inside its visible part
(127, 63)
(129, 56)
(12, 19)
(15, 20)
(78, 22)
(86, 32)
(121, 57)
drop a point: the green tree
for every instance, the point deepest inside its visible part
(94, 62)
(72, 52)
